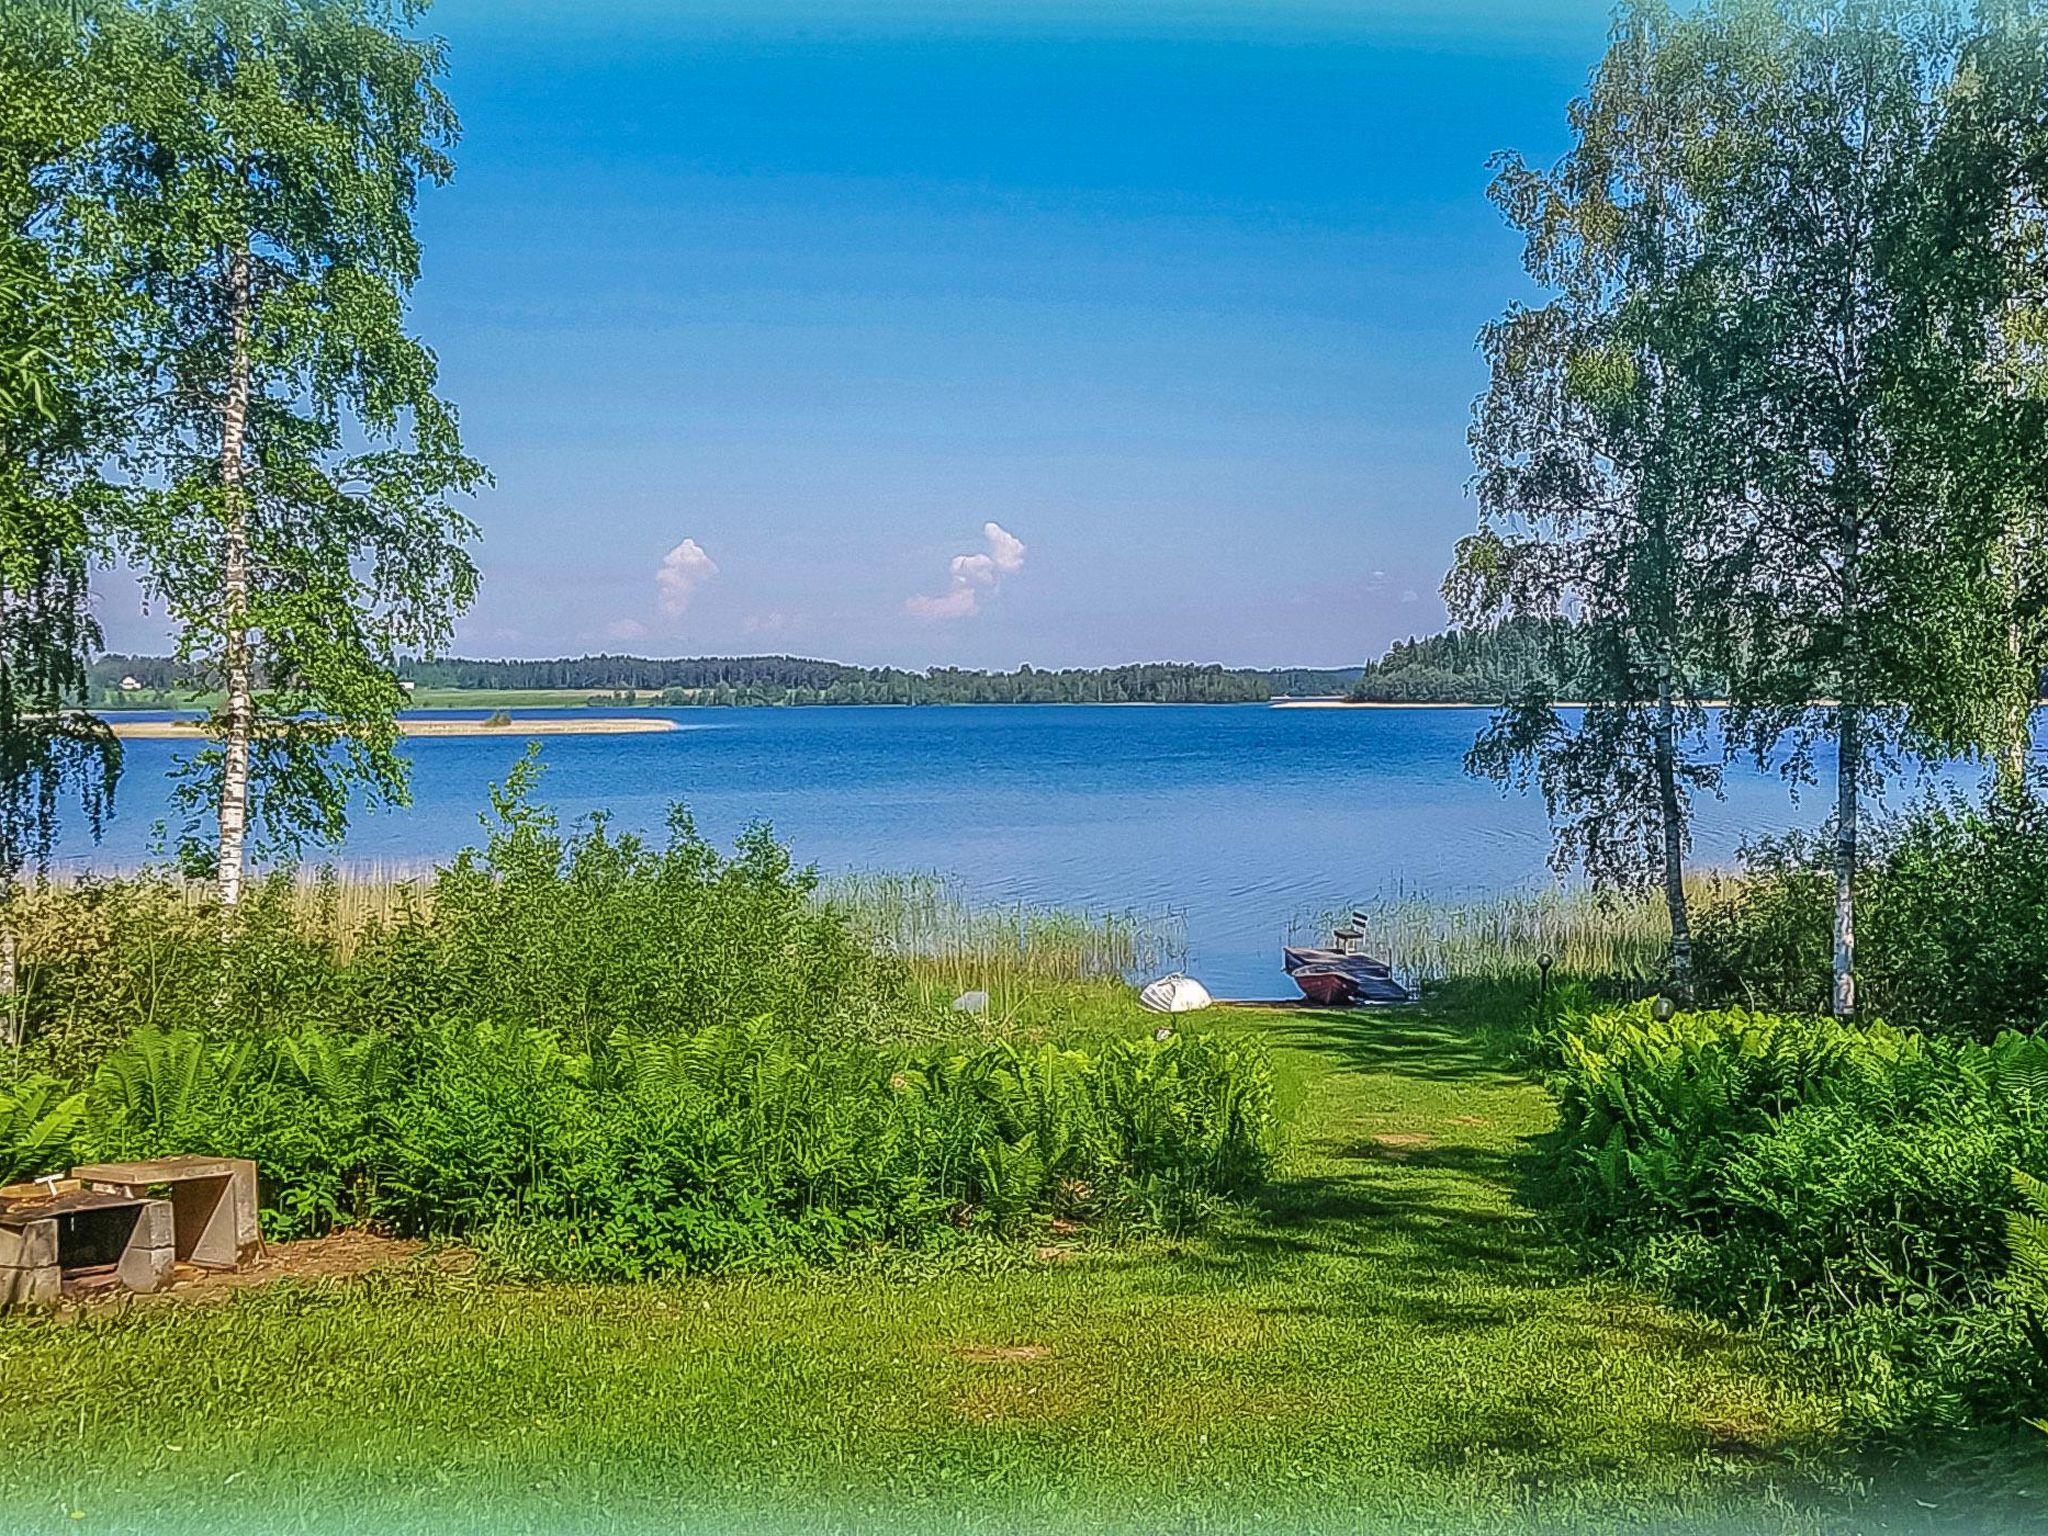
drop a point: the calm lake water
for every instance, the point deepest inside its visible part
(1244, 819)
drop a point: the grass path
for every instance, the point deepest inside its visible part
(1385, 1340)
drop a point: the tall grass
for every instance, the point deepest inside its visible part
(927, 920)
(1623, 937)
(337, 903)
(951, 945)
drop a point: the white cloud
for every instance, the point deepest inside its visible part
(625, 629)
(683, 570)
(972, 575)
(957, 603)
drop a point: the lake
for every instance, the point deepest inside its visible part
(1244, 819)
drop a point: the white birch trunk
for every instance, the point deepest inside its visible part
(10, 989)
(2017, 750)
(1674, 839)
(238, 713)
(1848, 770)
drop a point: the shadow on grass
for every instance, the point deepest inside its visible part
(1423, 1231)
(1411, 1042)
(1416, 1230)
(1444, 1195)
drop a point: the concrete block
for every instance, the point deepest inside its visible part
(214, 1200)
(155, 1226)
(28, 1246)
(146, 1269)
(28, 1287)
(29, 1276)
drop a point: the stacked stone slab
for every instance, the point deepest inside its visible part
(47, 1241)
(28, 1265)
(214, 1199)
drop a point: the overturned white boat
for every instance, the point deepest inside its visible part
(1175, 994)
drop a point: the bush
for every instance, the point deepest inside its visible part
(600, 1057)
(595, 932)
(1852, 1185)
(1952, 922)
(582, 933)
(737, 1149)
(105, 958)
(731, 1148)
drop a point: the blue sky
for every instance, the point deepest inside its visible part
(1181, 298)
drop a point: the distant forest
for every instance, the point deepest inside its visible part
(1459, 666)
(1479, 666)
(743, 680)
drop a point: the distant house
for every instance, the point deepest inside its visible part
(404, 685)
(131, 684)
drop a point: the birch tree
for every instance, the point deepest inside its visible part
(258, 199)
(1858, 332)
(56, 426)
(1993, 156)
(1596, 478)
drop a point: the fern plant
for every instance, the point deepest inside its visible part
(40, 1122)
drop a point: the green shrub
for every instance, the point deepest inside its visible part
(102, 959)
(40, 1119)
(735, 1147)
(1849, 1184)
(606, 1058)
(583, 932)
(593, 932)
(1952, 922)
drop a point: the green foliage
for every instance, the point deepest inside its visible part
(58, 421)
(1851, 1186)
(251, 202)
(105, 958)
(734, 1147)
(580, 932)
(605, 1059)
(1953, 922)
(737, 1148)
(589, 932)
(40, 1118)
(1480, 664)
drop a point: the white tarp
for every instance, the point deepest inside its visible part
(1175, 994)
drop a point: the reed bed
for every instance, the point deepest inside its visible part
(337, 902)
(951, 945)
(1611, 936)
(948, 943)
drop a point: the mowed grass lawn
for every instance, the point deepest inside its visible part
(1384, 1341)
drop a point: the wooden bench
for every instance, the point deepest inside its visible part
(82, 1240)
(213, 1200)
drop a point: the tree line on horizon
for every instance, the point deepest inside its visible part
(1777, 434)
(116, 678)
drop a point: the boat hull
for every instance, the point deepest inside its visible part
(1293, 958)
(1326, 989)
(1348, 983)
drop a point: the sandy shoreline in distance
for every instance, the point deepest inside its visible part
(601, 725)
(1449, 704)
(1377, 704)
